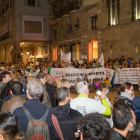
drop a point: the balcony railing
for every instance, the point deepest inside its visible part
(7, 35)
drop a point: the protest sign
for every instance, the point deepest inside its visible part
(80, 61)
(71, 74)
(65, 57)
(131, 75)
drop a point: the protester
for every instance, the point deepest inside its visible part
(136, 106)
(45, 98)
(17, 100)
(63, 83)
(135, 135)
(67, 117)
(9, 127)
(126, 94)
(33, 105)
(94, 127)
(84, 105)
(124, 121)
(107, 81)
(103, 87)
(117, 66)
(51, 89)
(44, 70)
(76, 64)
(5, 77)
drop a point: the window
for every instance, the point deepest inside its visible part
(33, 26)
(113, 12)
(135, 9)
(94, 22)
(31, 3)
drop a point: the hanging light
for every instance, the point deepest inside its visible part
(27, 52)
(21, 53)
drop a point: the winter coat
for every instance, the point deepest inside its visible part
(68, 120)
(13, 103)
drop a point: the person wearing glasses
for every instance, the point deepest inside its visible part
(85, 105)
(126, 95)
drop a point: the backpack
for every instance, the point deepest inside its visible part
(37, 129)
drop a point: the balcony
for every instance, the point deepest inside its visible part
(74, 6)
(89, 3)
(51, 20)
(65, 11)
(7, 35)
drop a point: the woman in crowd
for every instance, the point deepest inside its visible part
(63, 83)
(9, 127)
(126, 94)
(103, 87)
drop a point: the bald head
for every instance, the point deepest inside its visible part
(50, 79)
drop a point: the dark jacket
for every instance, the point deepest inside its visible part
(51, 89)
(37, 110)
(13, 103)
(76, 65)
(136, 108)
(116, 136)
(68, 120)
(45, 98)
(122, 101)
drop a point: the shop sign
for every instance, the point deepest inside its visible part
(68, 40)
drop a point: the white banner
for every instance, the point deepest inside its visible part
(101, 60)
(109, 73)
(71, 74)
(131, 75)
(65, 57)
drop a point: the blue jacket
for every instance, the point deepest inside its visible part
(136, 108)
(37, 110)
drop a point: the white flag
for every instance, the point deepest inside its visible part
(101, 60)
(65, 57)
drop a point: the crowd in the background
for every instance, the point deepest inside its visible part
(37, 106)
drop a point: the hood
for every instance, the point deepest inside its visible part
(136, 102)
(62, 111)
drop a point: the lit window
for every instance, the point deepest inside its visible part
(135, 9)
(113, 12)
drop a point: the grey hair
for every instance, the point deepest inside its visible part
(81, 87)
(34, 88)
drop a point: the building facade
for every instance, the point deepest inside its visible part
(90, 27)
(24, 30)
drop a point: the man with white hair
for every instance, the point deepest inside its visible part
(85, 105)
(33, 105)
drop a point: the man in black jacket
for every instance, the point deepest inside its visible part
(51, 89)
(67, 117)
(124, 121)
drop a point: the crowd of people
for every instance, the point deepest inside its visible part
(37, 106)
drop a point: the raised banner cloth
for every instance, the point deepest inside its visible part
(65, 57)
(71, 74)
(131, 75)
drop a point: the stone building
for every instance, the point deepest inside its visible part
(24, 30)
(90, 27)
